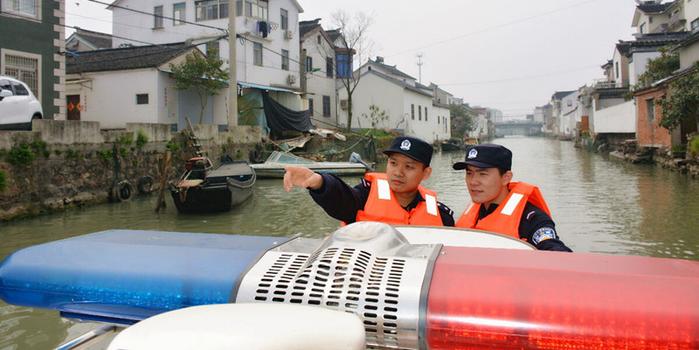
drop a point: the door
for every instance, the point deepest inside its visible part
(73, 107)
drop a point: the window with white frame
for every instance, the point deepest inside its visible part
(22, 66)
(257, 54)
(257, 8)
(158, 17)
(24, 8)
(179, 14)
(205, 10)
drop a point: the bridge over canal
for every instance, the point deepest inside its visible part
(523, 128)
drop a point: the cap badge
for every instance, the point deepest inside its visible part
(472, 154)
(405, 145)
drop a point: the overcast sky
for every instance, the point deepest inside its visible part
(506, 54)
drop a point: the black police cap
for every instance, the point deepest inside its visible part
(486, 155)
(412, 147)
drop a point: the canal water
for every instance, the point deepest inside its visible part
(599, 205)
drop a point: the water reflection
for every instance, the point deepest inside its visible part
(599, 206)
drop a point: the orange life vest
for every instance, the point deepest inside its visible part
(382, 205)
(506, 218)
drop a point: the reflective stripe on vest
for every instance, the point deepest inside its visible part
(506, 218)
(382, 206)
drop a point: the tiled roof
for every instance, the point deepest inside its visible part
(333, 34)
(653, 7)
(96, 39)
(399, 82)
(307, 26)
(123, 58)
(653, 40)
(391, 69)
(561, 94)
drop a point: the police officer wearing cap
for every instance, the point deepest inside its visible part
(499, 205)
(393, 197)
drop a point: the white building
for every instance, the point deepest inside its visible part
(267, 46)
(326, 61)
(386, 98)
(569, 115)
(131, 85)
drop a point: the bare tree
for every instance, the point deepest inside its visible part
(354, 39)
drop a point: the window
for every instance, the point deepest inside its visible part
(318, 39)
(329, 67)
(141, 99)
(239, 8)
(210, 9)
(617, 70)
(284, 19)
(425, 113)
(257, 54)
(5, 85)
(24, 8)
(257, 8)
(20, 90)
(178, 13)
(158, 17)
(309, 64)
(419, 112)
(285, 59)
(213, 49)
(650, 109)
(642, 28)
(439, 120)
(412, 111)
(24, 67)
(310, 106)
(695, 24)
(326, 106)
(344, 65)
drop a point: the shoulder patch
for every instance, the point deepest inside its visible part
(444, 208)
(366, 183)
(530, 214)
(543, 234)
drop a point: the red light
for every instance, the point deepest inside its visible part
(506, 299)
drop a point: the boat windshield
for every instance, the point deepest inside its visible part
(287, 158)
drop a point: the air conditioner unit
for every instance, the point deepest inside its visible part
(291, 79)
(288, 34)
(343, 104)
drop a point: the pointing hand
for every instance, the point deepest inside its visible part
(301, 177)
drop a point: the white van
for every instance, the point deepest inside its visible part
(18, 106)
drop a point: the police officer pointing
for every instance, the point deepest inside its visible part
(394, 197)
(499, 205)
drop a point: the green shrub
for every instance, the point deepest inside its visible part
(39, 148)
(173, 146)
(125, 139)
(72, 154)
(141, 139)
(106, 155)
(3, 183)
(693, 146)
(20, 155)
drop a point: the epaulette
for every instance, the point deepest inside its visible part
(366, 183)
(444, 208)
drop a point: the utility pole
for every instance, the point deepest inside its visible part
(419, 67)
(232, 73)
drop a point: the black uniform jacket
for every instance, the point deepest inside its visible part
(535, 226)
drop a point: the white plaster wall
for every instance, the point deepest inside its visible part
(689, 55)
(373, 90)
(424, 129)
(132, 25)
(622, 77)
(639, 65)
(110, 97)
(691, 12)
(317, 83)
(617, 119)
(443, 127)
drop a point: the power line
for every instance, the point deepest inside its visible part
(523, 77)
(506, 24)
(161, 16)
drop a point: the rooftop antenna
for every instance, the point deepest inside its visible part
(419, 67)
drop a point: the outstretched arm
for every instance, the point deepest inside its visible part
(301, 177)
